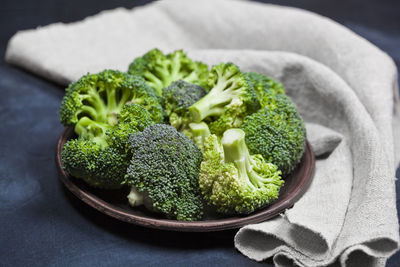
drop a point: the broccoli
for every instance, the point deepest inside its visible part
(277, 132)
(231, 98)
(161, 70)
(262, 82)
(198, 132)
(265, 87)
(232, 180)
(98, 98)
(165, 166)
(99, 166)
(177, 98)
(102, 161)
(131, 119)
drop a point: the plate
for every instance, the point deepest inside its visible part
(115, 204)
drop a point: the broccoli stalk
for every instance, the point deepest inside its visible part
(89, 129)
(230, 98)
(227, 87)
(234, 181)
(135, 197)
(235, 151)
(198, 133)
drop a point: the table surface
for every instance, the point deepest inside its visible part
(44, 224)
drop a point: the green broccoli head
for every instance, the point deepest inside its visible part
(197, 132)
(165, 166)
(277, 132)
(177, 98)
(99, 166)
(161, 70)
(234, 181)
(231, 97)
(266, 89)
(100, 97)
(102, 160)
(263, 84)
(132, 118)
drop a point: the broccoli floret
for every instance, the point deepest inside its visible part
(231, 98)
(234, 181)
(277, 132)
(177, 98)
(165, 166)
(266, 89)
(100, 97)
(161, 70)
(264, 84)
(132, 118)
(99, 166)
(102, 161)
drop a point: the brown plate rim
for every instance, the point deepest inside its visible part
(196, 226)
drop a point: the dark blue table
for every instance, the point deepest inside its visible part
(41, 223)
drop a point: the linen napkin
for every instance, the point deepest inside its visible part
(345, 89)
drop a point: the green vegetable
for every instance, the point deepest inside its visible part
(165, 167)
(264, 85)
(177, 98)
(161, 70)
(277, 132)
(234, 181)
(99, 166)
(231, 135)
(100, 97)
(102, 161)
(198, 132)
(231, 98)
(132, 118)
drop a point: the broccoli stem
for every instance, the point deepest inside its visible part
(154, 82)
(90, 129)
(214, 102)
(236, 152)
(124, 99)
(135, 197)
(175, 67)
(200, 132)
(192, 77)
(176, 71)
(97, 108)
(89, 111)
(164, 74)
(111, 99)
(210, 105)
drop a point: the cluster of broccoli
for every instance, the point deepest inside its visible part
(182, 136)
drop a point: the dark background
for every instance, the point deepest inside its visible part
(43, 224)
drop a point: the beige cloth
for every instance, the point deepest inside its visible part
(344, 87)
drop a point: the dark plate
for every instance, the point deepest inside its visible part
(115, 203)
